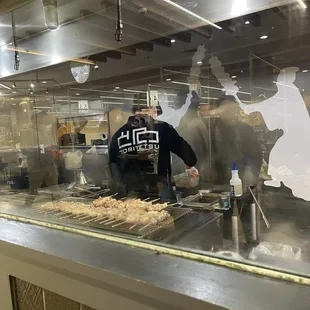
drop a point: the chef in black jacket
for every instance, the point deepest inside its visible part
(144, 135)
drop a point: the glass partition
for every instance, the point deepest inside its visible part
(184, 129)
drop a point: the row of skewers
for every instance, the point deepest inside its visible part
(109, 211)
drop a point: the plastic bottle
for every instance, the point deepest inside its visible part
(235, 182)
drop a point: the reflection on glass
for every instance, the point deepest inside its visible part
(146, 143)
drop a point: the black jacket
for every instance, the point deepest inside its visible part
(161, 137)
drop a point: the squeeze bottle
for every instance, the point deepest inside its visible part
(235, 182)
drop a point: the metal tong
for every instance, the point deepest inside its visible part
(260, 209)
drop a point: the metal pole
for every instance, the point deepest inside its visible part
(235, 228)
(253, 221)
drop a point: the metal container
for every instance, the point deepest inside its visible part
(228, 195)
(224, 201)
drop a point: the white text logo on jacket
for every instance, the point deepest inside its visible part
(140, 138)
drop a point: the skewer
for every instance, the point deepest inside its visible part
(146, 199)
(62, 213)
(260, 208)
(133, 226)
(154, 200)
(172, 204)
(103, 222)
(101, 218)
(145, 226)
(50, 212)
(78, 216)
(119, 224)
(65, 217)
(111, 222)
(85, 217)
(88, 221)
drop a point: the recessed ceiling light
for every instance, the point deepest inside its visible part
(116, 87)
(199, 62)
(44, 82)
(31, 85)
(247, 22)
(14, 85)
(168, 80)
(13, 92)
(233, 76)
(303, 89)
(77, 94)
(263, 37)
(172, 40)
(304, 71)
(12, 98)
(14, 104)
(302, 4)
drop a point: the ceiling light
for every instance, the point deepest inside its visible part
(247, 22)
(181, 8)
(199, 62)
(44, 82)
(117, 87)
(14, 103)
(77, 94)
(12, 98)
(304, 71)
(13, 92)
(302, 4)
(14, 85)
(96, 67)
(303, 89)
(31, 92)
(168, 80)
(135, 91)
(4, 86)
(114, 89)
(172, 41)
(233, 76)
(31, 85)
(263, 37)
(181, 83)
(46, 91)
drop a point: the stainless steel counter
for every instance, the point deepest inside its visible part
(122, 275)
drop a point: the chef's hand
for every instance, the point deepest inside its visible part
(192, 171)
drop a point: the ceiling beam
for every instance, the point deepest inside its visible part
(164, 42)
(98, 57)
(112, 54)
(144, 46)
(128, 50)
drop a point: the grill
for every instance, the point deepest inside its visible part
(90, 222)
